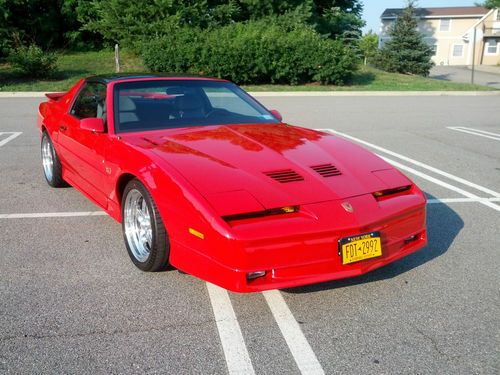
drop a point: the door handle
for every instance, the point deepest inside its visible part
(62, 128)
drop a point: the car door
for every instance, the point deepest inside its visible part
(83, 151)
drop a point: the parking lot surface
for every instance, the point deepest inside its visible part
(483, 74)
(72, 302)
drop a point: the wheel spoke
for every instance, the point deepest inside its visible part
(137, 223)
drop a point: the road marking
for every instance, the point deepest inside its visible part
(38, 215)
(236, 353)
(480, 133)
(441, 183)
(460, 200)
(420, 164)
(51, 214)
(10, 137)
(301, 350)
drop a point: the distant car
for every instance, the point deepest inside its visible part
(204, 178)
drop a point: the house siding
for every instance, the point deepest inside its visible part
(457, 38)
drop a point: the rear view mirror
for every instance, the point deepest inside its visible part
(276, 114)
(93, 124)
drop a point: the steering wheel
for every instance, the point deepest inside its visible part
(216, 111)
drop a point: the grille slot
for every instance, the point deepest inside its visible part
(326, 170)
(284, 176)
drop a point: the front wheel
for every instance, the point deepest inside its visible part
(52, 169)
(143, 229)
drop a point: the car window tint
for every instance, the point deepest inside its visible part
(91, 101)
(222, 97)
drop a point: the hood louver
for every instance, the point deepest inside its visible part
(326, 170)
(284, 176)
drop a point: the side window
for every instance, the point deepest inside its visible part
(91, 102)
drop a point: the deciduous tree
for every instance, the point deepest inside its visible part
(368, 45)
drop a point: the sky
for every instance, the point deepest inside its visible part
(372, 9)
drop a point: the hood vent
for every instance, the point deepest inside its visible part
(326, 170)
(285, 175)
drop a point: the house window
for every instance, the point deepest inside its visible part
(434, 49)
(458, 50)
(444, 24)
(492, 47)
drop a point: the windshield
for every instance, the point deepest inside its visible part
(164, 104)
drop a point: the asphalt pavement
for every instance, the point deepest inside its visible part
(483, 75)
(72, 302)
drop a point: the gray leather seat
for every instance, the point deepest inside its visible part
(127, 110)
(190, 106)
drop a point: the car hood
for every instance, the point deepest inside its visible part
(250, 167)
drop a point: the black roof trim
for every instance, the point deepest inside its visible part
(107, 78)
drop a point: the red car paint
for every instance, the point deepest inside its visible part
(200, 176)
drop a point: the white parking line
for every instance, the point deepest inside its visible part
(460, 200)
(479, 133)
(51, 214)
(441, 183)
(420, 164)
(41, 215)
(236, 353)
(10, 137)
(301, 350)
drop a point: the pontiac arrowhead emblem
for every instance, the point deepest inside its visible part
(348, 207)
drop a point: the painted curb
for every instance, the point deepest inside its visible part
(36, 94)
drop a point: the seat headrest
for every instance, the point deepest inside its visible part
(188, 102)
(126, 104)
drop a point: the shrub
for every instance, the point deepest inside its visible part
(33, 62)
(265, 51)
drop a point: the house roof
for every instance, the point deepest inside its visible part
(438, 12)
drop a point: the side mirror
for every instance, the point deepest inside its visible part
(276, 114)
(93, 124)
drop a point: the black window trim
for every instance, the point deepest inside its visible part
(75, 98)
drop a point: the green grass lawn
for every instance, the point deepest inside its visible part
(73, 66)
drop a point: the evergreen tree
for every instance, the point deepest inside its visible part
(406, 52)
(490, 4)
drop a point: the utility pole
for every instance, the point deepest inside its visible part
(117, 58)
(473, 56)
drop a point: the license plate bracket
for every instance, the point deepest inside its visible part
(360, 247)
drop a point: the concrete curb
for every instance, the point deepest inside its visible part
(376, 93)
(36, 94)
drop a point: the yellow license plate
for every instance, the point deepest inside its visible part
(360, 247)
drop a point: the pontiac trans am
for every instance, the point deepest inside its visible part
(206, 179)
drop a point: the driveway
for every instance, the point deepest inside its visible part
(486, 76)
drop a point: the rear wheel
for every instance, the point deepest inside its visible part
(52, 169)
(143, 229)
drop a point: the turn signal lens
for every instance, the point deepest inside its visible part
(384, 193)
(270, 212)
(195, 233)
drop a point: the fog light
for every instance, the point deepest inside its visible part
(254, 275)
(411, 238)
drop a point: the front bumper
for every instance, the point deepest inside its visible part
(305, 249)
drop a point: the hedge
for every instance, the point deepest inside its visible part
(253, 52)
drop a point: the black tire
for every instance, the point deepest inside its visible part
(159, 249)
(52, 171)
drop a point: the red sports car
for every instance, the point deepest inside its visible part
(204, 178)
